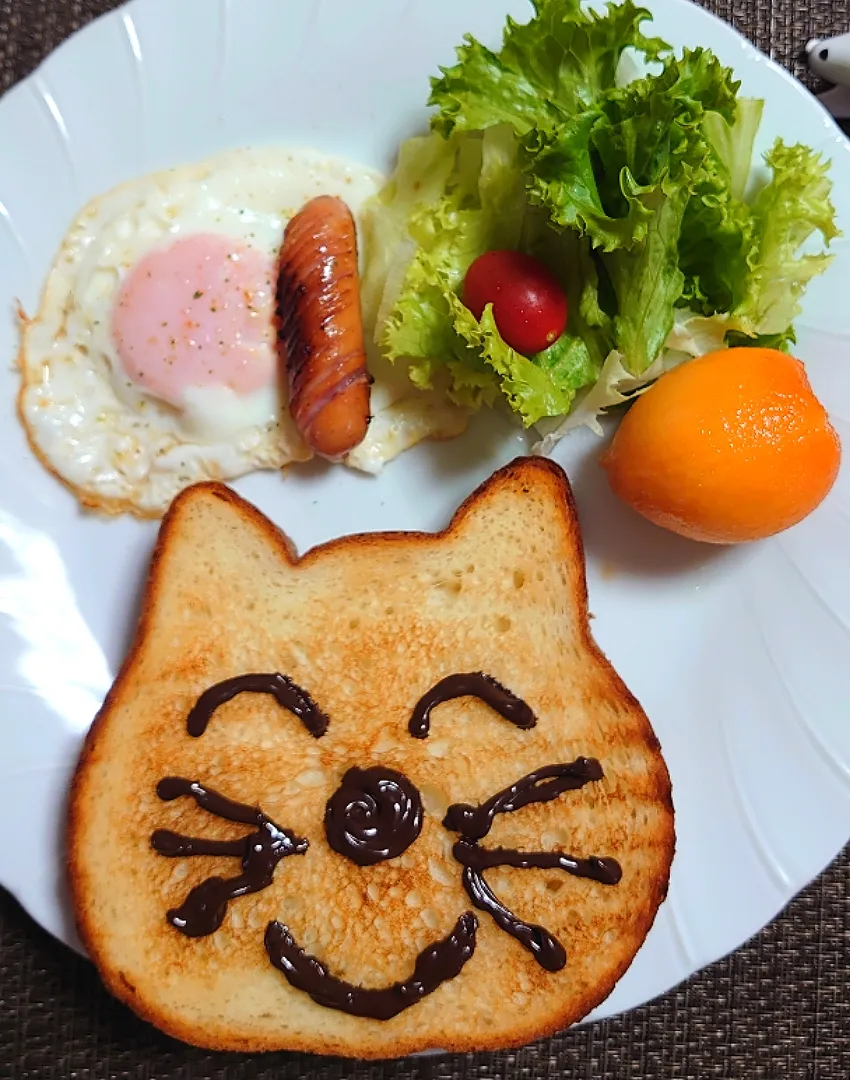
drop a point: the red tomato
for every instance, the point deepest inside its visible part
(529, 306)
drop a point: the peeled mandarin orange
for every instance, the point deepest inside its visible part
(731, 447)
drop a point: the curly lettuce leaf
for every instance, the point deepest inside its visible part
(714, 249)
(564, 181)
(614, 386)
(647, 282)
(570, 258)
(482, 206)
(550, 68)
(718, 227)
(419, 324)
(534, 388)
(624, 174)
(695, 335)
(781, 341)
(424, 166)
(788, 211)
(733, 141)
(592, 172)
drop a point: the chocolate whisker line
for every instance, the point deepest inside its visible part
(475, 822)
(174, 846)
(605, 871)
(542, 785)
(177, 787)
(204, 909)
(543, 946)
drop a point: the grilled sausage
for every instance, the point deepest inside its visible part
(321, 327)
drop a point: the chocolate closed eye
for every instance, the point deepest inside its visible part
(288, 694)
(471, 684)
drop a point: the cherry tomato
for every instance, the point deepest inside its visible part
(529, 306)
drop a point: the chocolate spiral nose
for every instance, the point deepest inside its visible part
(375, 814)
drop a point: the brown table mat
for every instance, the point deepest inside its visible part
(777, 1009)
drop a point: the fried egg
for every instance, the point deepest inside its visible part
(152, 361)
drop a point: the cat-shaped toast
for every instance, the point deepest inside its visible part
(383, 798)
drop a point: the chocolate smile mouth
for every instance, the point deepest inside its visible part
(436, 964)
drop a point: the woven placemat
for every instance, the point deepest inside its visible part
(777, 1009)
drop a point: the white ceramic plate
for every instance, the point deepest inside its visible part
(740, 657)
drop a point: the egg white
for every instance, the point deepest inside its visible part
(117, 447)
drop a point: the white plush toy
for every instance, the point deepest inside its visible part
(830, 59)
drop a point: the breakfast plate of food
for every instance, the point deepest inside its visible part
(423, 602)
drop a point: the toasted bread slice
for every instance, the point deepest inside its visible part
(367, 625)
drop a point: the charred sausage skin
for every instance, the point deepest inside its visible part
(320, 327)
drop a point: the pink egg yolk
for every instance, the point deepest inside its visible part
(198, 313)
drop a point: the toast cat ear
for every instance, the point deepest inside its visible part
(535, 484)
(214, 559)
(545, 530)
